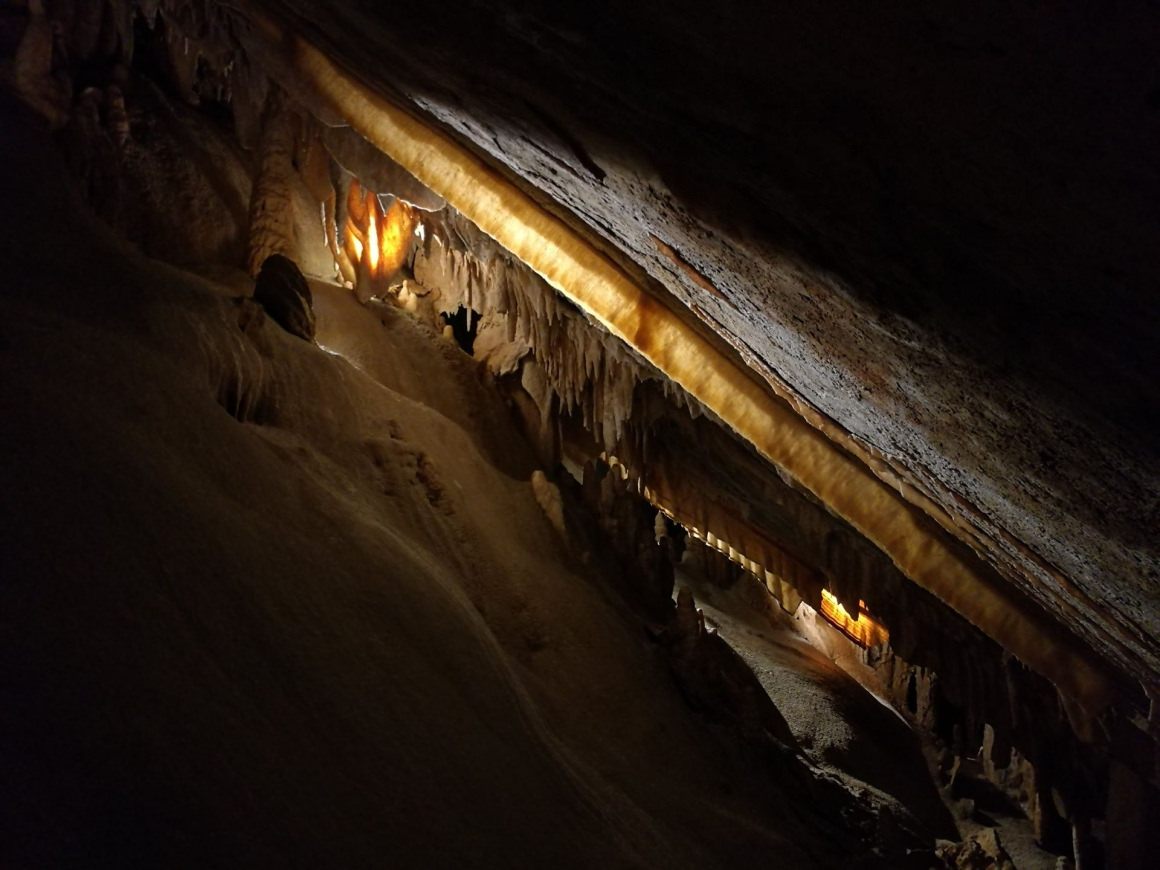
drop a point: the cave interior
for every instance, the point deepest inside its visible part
(497, 435)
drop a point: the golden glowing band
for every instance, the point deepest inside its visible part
(860, 628)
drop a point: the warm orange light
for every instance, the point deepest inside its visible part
(860, 628)
(356, 203)
(354, 244)
(398, 227)
(381, 242)
(373, 233)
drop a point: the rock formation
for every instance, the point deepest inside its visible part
(282, 291)
(598, 331)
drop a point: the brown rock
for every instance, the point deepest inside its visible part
(983, 851)
(282, 291)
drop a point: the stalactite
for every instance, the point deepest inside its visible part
(375, 170)
(593, 374)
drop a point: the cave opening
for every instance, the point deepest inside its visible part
(464, 325)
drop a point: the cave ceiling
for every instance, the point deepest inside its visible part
(933, 230)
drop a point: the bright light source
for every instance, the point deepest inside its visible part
(860, 628)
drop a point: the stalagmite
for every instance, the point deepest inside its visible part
(313, 163)
(271, 210)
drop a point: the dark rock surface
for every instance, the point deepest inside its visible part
(284, 293)
(938, 225)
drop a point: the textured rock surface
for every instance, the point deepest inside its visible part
(283, 292)
(968, 285)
